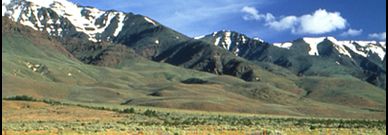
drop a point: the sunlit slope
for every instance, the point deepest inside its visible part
(38, 66)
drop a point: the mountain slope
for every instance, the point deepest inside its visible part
(122, 73)
(87, 25)
(40, 69)
(36, 65)
(323, 56)
(65, 78)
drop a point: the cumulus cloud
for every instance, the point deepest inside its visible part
(319, 22)
(379, 36)
(285, 23)
(351, 33)
(253, 14)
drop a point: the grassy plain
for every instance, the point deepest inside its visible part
(61, 117)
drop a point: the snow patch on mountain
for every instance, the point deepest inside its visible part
(244, 40)
(313, 44)
(227, 40)
(218, 39)
(286, 45)
(338, 63)
(339, 46)
(214, 34)
(200, 37)
(3, 10)
(352, 46)
(365, 43)
(365, 48)
(5, 2)
(377, 50)
(3, 6)
(120, 26)
(150, 21)
(383, 44)
(236, 52)
(258, 39)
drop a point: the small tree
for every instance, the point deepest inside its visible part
(129, 110)
(150, 113)
(21, 98)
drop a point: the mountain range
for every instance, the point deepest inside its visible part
(322, 56)
(328, 73)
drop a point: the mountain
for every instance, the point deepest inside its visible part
(35, 64)
(239, 44)
(63, 19)
(73, 25)
(322, 56)
(60, 50)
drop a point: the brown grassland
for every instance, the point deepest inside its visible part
(42, 118)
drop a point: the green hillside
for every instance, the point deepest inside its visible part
(38, 66)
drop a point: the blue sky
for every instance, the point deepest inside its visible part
(271, 20)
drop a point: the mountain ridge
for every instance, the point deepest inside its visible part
(312, 41)
(150, 65)
(145, 36)
(362, 59)
(149, 39)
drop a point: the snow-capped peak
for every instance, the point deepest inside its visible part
(229, 40)
(363, 48)
(313, 44)
(49, 3)
(90, 21)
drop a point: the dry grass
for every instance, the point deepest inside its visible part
(38, 111)
(25, 117)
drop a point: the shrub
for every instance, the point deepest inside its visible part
(129, 110)
(52, 102)
(149, 113)
(21, 98)
(194, 81)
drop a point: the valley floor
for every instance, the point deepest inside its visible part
(60, 117)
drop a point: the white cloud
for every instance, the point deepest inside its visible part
(379, 36)
(319, 22)
(285, 23)
(351, 33)
(253, 14)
